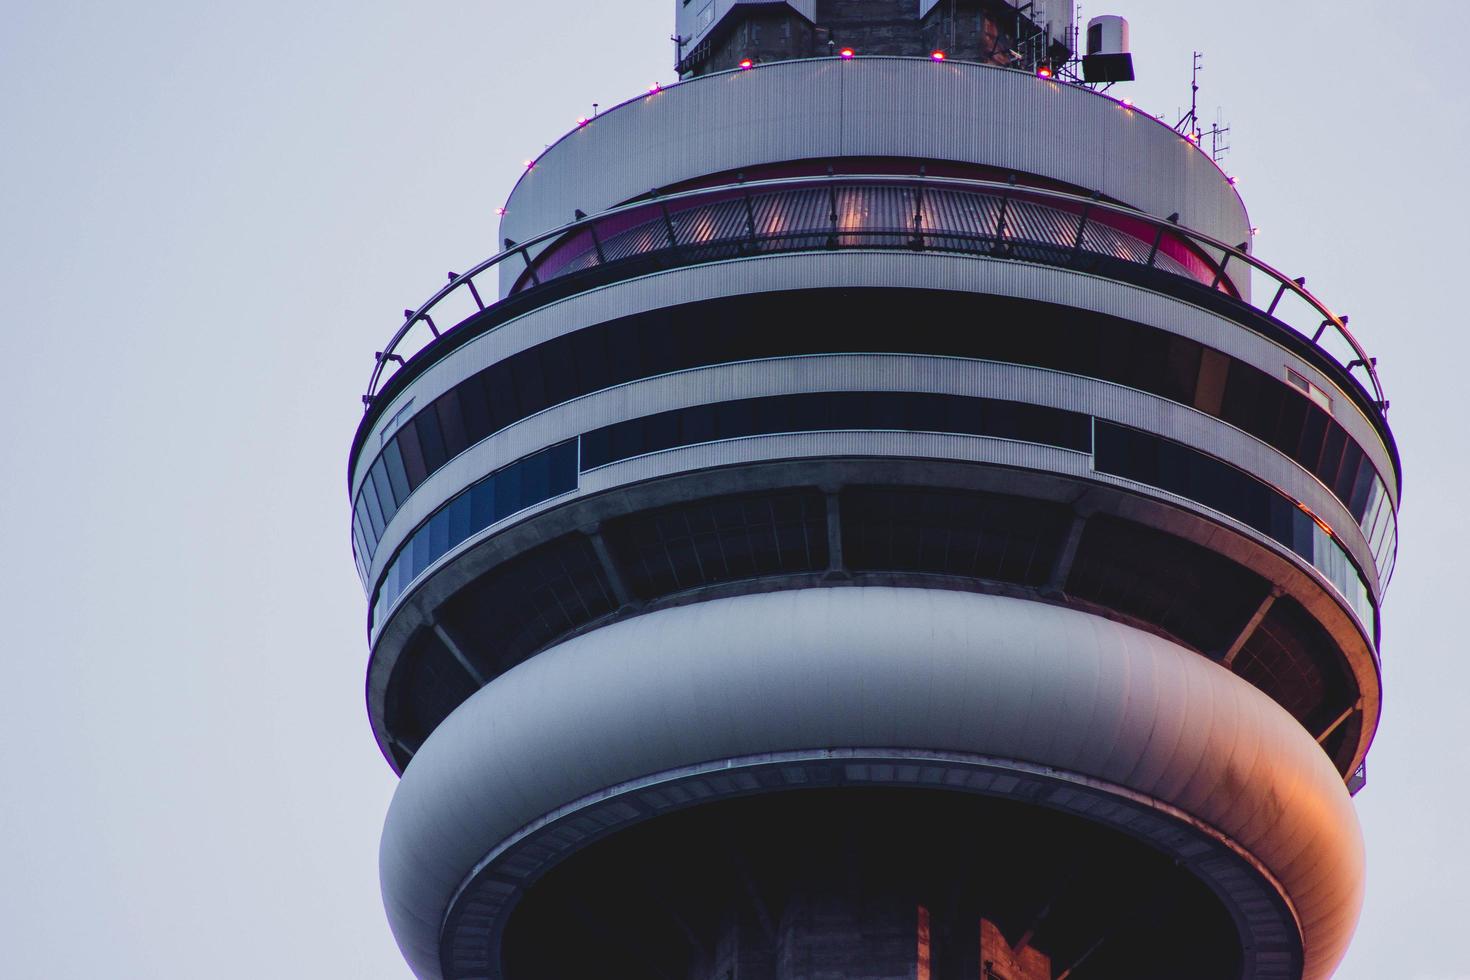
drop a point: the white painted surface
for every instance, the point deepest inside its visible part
(857, 668)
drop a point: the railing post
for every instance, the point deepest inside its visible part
(1000, 223)
(832, 216)
(749, 217)
(530, 266)
(1220, 270)
(1082, 228)
(918, 242)
(1280, 292)
(408, 315)
(473, 291)
(668, 224)
(1153, 253)
(597, 243)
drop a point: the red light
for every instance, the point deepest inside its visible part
(1044, 71)
(747, 64)
(500, 211)
(530, 164)
(848, 54)
(655, 88)
(937, 55)
(583, 121)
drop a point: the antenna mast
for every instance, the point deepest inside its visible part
(1189, 124)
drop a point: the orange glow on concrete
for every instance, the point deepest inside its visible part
(922, 971)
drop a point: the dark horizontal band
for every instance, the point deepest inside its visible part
(766, 325)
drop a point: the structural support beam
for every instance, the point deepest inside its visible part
(762, 913)
(835, 563)
(1082, 959)
(1228, 660)
(1082, 511)
(1341, 720)
(402, 746)
(610, 568)
(457, 652)
(658, 894)
(621, 940)
(1030, 932)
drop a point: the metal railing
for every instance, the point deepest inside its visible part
(1291, 304)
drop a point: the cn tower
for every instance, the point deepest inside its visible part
(874, 517)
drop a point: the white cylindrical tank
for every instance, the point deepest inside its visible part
(1107, 34)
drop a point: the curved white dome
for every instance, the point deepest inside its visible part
(863, 667)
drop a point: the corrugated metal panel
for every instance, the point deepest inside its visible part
(804, 110)
(860, 372)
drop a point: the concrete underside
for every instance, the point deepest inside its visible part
(1126, 735)
(864, 884)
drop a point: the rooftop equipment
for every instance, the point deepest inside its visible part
(1108, 58)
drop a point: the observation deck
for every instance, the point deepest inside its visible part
(886, 328)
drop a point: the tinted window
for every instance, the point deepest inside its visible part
(1189, 473)
(818, 411)
(786, 324)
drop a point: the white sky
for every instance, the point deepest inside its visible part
(213, 215)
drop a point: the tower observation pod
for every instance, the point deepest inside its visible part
(874, 519)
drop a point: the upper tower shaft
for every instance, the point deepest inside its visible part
(882, 500)
(715, 35)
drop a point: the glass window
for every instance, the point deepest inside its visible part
(378, 481)
(439, 535)
(374, 511)
(646, 345)
(460, 527)
(1189, 473)
(451, 423)
(397, 476)
(820, 411)
(508, 496)
(476, 410)
(413, 456)
(431, 440)
(500, 391)
(420, 553)
(522, 484)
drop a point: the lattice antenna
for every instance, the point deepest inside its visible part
(1188, 124)
(1218, 134)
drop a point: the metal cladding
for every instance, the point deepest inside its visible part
(837, 431)
(871, 672)
(828, 110)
